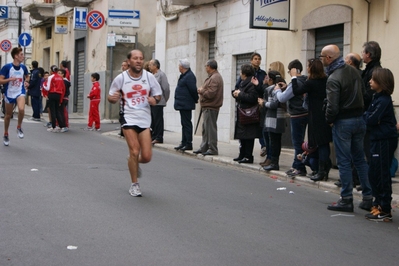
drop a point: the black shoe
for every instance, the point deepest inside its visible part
(238, 159)
(320, 176)
(271, 166)
(343, 205)
(366, 204)
(179, 147)
(187, 148)
(246, 160)
(209, 153)
(197, 152)
(338, 183)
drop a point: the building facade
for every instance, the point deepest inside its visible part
(58, 36)
(203, 29)
(11, 27)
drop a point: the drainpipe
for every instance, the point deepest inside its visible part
(368, 19)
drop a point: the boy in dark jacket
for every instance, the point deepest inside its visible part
(381, 123)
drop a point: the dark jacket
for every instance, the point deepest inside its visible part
(380, 118)
(345, 89)
(295, 104)
(260, 76)
(248, 97)
(366, 76)
(34, 83)
(186, 95)
(319, 132)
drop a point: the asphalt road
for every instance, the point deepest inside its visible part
(64, 201)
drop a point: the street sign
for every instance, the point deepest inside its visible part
(24, 39)
(111, 38)
(5, 45)
(61, 25)
(79, 18)
(95, 19)
(125, 38)
(3, 12)
(124, 18)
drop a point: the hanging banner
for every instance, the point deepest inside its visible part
(270, 14)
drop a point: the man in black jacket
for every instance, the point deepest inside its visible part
(344, 111)
(186, 96)
(34, 91)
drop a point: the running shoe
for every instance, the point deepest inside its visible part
(135, 190)
(54, 130)
(20, 133)
(64, 129)
(6, 141)
(379, 216)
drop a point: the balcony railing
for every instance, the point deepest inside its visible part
(73, 3)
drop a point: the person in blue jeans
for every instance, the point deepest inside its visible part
(344, 113)
(381, 124)
(298, 115)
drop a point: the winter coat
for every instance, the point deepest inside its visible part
(319, 132)
(380, 118)
(248, 97)
(34, 83)
(186, 95)
(275, 114)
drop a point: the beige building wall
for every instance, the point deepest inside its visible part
(187, 37)
(97, 54)
(363, 22)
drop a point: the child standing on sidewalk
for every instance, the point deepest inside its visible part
(381, 123)
(95, 97)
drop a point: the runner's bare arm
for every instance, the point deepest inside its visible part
(3, 79)
(114, 97)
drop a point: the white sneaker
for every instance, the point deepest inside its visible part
(54, 130)
(20, 133)
(64, 129)
(6, 141)
(135, 190)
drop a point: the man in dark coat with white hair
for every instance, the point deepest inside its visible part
(186, 97)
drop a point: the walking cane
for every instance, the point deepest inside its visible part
(199, 118)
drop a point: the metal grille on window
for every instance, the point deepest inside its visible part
(329, 35)
(212, 40)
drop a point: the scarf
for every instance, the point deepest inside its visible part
(337, 63)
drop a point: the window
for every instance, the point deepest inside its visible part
(48, 33)
(212, 40)
(329, 35)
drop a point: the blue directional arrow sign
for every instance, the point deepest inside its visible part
(24, 39)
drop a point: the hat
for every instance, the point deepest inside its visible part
(305, 147)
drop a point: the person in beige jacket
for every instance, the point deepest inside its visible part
(211, 99)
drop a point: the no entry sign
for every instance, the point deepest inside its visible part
(5, 45)
(95, 20)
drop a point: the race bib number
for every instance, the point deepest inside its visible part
(137, 98)
(14, 88)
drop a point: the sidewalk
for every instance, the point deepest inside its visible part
(228, 151)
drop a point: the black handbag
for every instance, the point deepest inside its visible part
(249, 115)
